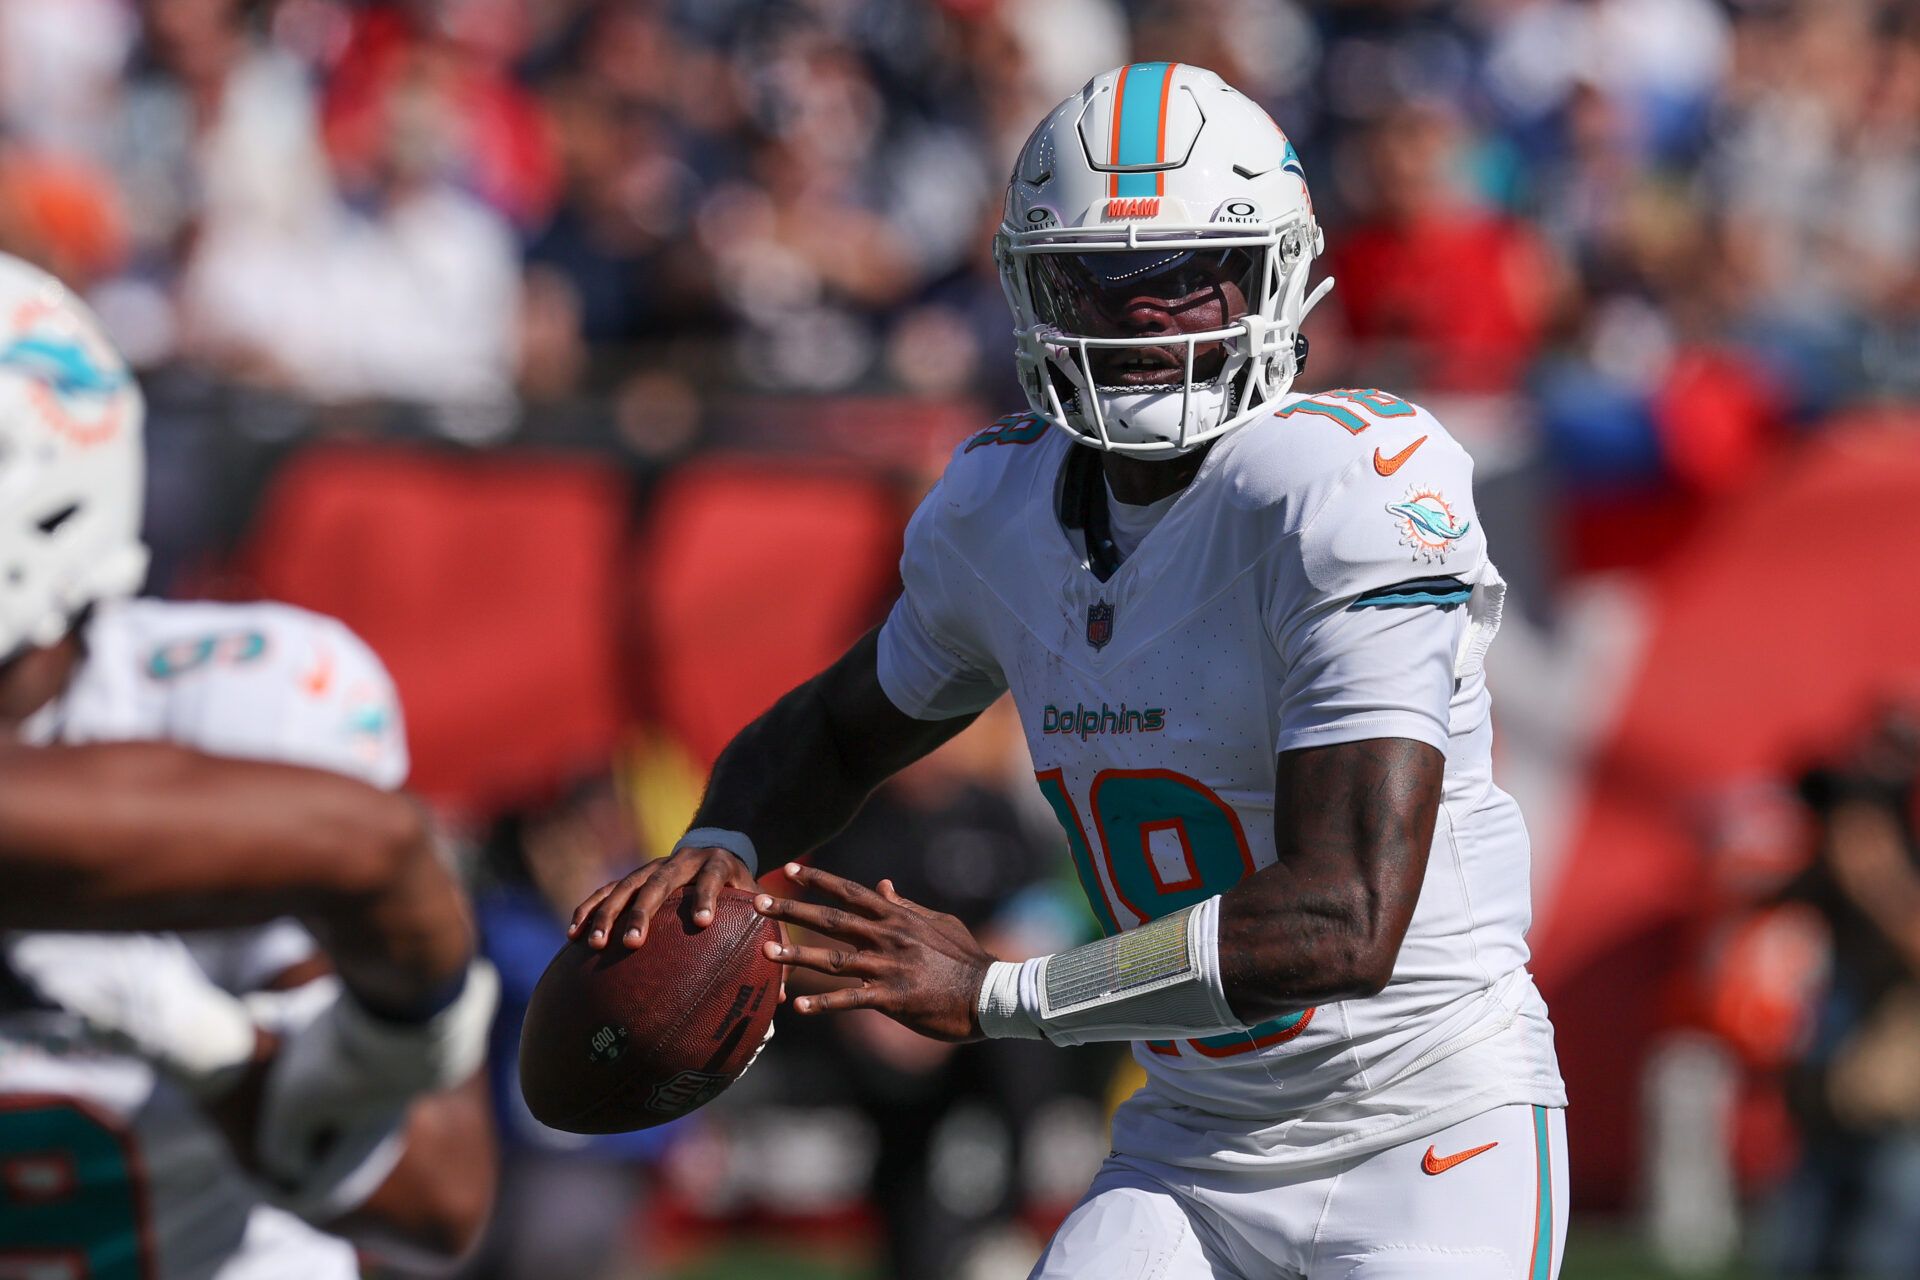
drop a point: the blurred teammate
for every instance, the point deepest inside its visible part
(1244, 629)
(147, 1114)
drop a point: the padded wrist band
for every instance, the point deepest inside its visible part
(1001, 1015)
(737, 843)
(1158, 981)
(434, 1053)
(424, 1010)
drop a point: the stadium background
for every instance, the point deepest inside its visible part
(587, 356)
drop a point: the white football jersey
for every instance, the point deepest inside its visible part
(1323, 579)
(106, 1168)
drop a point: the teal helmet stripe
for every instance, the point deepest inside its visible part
(1138, 114)
(1291, 162)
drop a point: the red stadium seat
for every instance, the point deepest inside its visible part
(489, 586)
(752, 576)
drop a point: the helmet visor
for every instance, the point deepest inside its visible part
(1135, 295)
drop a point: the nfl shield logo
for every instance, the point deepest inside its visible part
(1099, 624)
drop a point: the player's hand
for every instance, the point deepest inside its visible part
(144, 993)
(920, 967)
(626, 907)
(335, 1095)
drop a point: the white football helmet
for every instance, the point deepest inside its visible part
(1154, 168)
(71, 462)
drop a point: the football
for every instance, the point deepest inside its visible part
(625, 1039)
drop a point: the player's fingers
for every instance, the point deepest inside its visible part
(855, 895)
(706, 888)
(593, 900)
(587, 904)
(598, 922)
(737, 874)
(839, 961)
(828, 920)
(834, 1001)
(898, 899)
(641, 908)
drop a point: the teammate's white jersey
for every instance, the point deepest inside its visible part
(1323, 579)
(107, 1170)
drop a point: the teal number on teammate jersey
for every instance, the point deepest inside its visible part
(232, 648)
(68, 1190)
(1168, 842)
(1377, 403)
(1015, 428)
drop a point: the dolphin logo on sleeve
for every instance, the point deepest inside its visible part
(1428, 524)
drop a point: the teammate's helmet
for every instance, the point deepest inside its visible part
(1150, 169)
(70, 462)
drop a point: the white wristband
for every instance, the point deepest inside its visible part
(1002, 1014)
(737, 843)
(1159, 981)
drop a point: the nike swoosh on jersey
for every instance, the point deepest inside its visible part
(1387, 466)
(1438, 1164)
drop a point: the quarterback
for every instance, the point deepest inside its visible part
(1244, 628)
(185, 1105)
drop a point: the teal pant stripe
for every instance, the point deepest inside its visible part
(1139, 110)
(1543, 1219)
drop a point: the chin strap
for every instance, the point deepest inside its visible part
(1083, 506)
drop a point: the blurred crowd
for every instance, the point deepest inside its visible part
(1642, 238)
(1629, 250)
(1782, 1102)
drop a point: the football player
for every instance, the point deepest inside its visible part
(181, 1105)
(1244, 628)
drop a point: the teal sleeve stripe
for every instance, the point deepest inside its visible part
(1380, 601)
(1139, 110)
(1445, 592)
(1543, 1211)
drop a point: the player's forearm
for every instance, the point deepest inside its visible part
(433, 1207)
(1353, 825)
(1321, 925)
(1183, 975)
(152, 836)
(799, 773)
(1280, 953)
(148, 835)
(403, 945)
(785, 780)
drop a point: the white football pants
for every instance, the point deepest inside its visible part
(1483, 1200)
